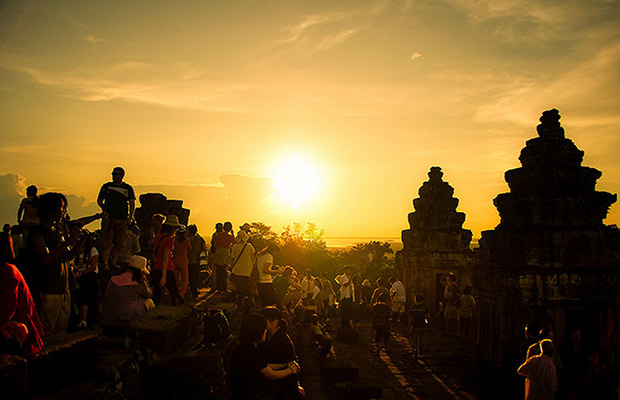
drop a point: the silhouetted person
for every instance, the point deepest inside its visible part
(381, 314)
(6, 244)
(27, 216)
(419, 316)
(541, 380)
(347, 296)
(198, 246)
(162, 273)
(575, 361)
(118, 202)
(49, 250)
(221, 258)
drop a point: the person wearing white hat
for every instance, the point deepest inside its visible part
(163, 266)
(128, 295)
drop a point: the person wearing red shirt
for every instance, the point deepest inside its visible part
(163, 267)
(223, 241)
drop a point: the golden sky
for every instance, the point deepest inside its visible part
(208, 101)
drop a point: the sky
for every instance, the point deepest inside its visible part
(329, 112)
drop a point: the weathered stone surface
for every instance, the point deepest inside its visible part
(157, 203)
(551, 260)
(13, 376)
(164, 328)
(436, 243)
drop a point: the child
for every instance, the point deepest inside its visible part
(320, 336)
(381, 314)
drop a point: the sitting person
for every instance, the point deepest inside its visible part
(20, 328)
(250, 372)
(320, 336)
(128, 296)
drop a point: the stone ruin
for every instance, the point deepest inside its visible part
(156, 203)
(435, 244)
(551, 260)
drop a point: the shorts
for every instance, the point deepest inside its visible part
(398, 306)
(114, 233)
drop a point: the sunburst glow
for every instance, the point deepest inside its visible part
(296, 181)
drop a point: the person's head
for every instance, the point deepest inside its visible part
(380, 282)
(219, 227)
(347, 270)
(383, 297)
(50, 207)
(419, 298)
(138, 267)
(227, 226)
(451, 278)
(467, 290)
(317, 283)
(6, 228)
(242, 237)
(546, 347)
(180, 233)
(31, 191)
(246, 228)
(288, 271)
(309, 273)
(16, 230)
(546, 333)
(392, 280)
(531, 332)
(168, 229)
(192, 229)
(365, 282)
(274, 319)
(253, 329)
(158, 219)
(118, 173)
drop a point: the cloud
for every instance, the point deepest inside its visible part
(415, 55)
(589, 91)
(93, 39)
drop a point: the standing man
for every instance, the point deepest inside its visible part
(223, 242)
(197, 246)
(347, 296)
(541, 380)
(399, 298)
(118, 202)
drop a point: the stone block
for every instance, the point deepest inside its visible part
(165, 328)
(340, 370)
(65, 356)
(350, 391)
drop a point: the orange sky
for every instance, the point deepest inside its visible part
(204, 101)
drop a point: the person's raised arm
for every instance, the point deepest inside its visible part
(270, 374)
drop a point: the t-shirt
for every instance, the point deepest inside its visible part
(381, 314)
(347, 290)
(50, 278)
(281, 283)
(246, 362)
(279, 349)
(81, 263)
(418, 313)
(398, 292)
(264, 261)
(116, 199)
(241, 255)
(163, 241)
(198, 245)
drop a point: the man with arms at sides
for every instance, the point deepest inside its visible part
(541, 380)
(118, 202)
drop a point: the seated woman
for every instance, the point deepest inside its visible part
(250, 372)
(128, 296)
(279, 351)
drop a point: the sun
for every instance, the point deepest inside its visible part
(296, 181)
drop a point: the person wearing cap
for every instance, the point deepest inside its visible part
(182, 247)
(163, 266)
(128, 295)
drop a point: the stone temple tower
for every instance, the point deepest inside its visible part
(435, 244)
(551, 261)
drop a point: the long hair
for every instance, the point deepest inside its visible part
(252, 328)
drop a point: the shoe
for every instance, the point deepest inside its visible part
(82, 325)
